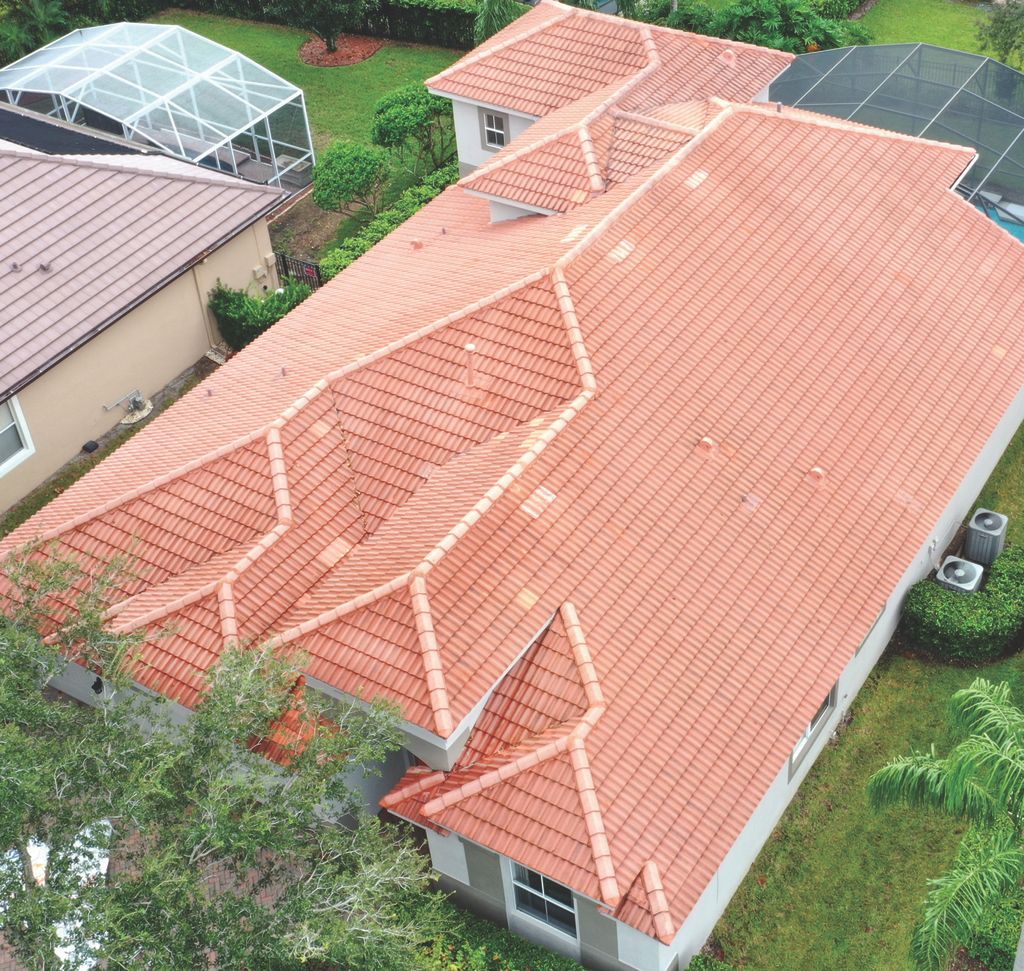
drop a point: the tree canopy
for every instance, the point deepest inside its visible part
(215, 851)
(412, 121)
(349, 176)
(981, 780)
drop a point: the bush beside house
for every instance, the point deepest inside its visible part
(969, 628)
(997, 933)
(241, 318)
(409, 202)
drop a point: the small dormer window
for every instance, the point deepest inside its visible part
(493, 129)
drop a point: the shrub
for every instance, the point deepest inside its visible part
(691, 15)
(702, 962)
(326, 18)
(787, 25)
(474, 944)
(494, 15)
(835, 9)
(241, 318)
(409, 202)
(349, 176)
(447, 23)
(975, 627)
(411, 119)
(995, 941)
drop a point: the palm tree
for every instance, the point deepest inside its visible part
(982, 781)
(492, 15)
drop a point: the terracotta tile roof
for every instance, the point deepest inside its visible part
(620, 482)
(107, 236)
(555, 54)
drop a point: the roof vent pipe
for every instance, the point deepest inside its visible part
(470, 372)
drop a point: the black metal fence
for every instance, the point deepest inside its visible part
(301, 270)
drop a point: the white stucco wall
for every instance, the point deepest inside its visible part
(471, 150)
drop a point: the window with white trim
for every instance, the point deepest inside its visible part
(543, 899)
(493, 129)
(15, 441)
(813, 727)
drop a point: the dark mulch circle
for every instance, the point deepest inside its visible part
(352, 48)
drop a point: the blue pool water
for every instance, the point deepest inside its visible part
(1013, 228)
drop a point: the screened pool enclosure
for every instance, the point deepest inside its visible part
(918, 89)
(163, 85)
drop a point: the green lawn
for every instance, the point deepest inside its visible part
(840, 887)
(339, 100)
(944, 23)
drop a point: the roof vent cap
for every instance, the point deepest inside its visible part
(727, 58)
(960, 575)
(45, 267)
(816, 475)
(706, 445)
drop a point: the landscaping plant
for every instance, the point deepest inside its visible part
(493, 15)
(1001, 32)
(981, 781)
(241, 318)
(326, 18)
(408, 203)
(969, 627)
(997, 932)
(413, 122)
(349, 177)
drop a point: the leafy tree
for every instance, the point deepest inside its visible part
(980, 780)
(326, 18)
(214, 849)
(412, 120)
(1002, 32)
(349, 176)
(30, 24)
(493, 15)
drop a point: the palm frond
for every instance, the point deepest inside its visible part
(988, 863)
(985, 708)
(998, 767)
(924, 781)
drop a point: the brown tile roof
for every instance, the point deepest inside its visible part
(555, 54)
(107, 236)
(630, 450)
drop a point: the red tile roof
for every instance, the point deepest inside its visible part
(555, 54)
(630, 450)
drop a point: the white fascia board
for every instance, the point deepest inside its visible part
(484, 104)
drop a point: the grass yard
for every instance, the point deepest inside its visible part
(839, 886)
(944, 23)
(339, 100)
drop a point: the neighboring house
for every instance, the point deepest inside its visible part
(107, 263)
(162, 86)
(617, 501)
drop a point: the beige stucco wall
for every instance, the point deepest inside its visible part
(145, 349)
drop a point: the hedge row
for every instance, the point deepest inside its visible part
(835, 9)
(408, 203)
(995, 939)
(975, 627)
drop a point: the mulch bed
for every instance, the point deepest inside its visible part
(352, 48)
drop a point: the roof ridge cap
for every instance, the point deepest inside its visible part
(657, 900)
(430, 652)
(616, 112)
(725, 42)
(478, 55)
(590, 159)
(79, 161)
(427, 780)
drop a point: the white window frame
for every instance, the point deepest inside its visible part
(814, 728)
(28, 447)
(498, 124)
(530, 915)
